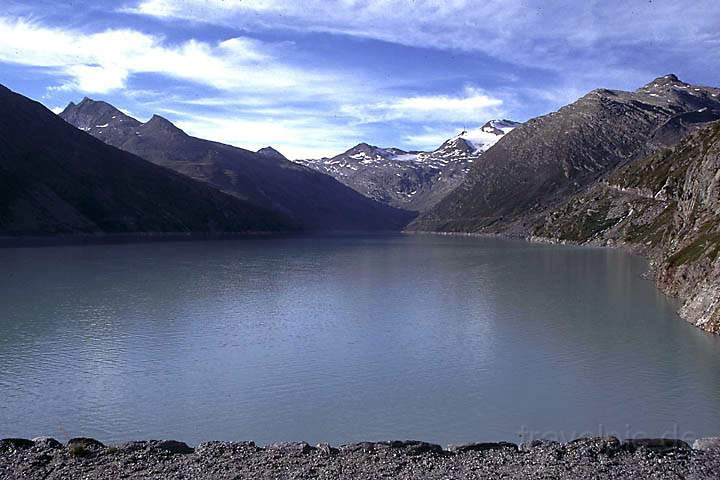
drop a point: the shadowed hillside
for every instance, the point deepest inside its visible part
(313, 200)
(55, 179)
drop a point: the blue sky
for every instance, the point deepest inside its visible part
(315, 77)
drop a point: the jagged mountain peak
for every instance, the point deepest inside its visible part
(477, 140)
(482, 138)
(102, 118)
(87, 105)
(159, 125)
(58, 180)
(669, 78)
(159, 120)
(270, 152)
(552, 156)
(94, 115)
(499, 127)
(664, 81)
(362, 147)
(458, 145)
(364, 152)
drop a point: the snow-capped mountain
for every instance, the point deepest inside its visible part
(413, 180)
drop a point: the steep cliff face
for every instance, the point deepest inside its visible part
(666, 206)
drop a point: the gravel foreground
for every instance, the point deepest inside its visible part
(598, 458)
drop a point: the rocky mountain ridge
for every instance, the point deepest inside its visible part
(413, 180)
(548, 158)
(267, 179)
(57, 180)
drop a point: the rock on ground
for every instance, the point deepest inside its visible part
(599, 458)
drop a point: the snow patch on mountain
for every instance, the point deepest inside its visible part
(484, 137)
(411, 179)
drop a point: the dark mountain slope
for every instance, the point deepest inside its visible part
(314, 200)
(666, 206)
(56, 179)
(547, 159)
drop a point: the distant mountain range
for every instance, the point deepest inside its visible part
(55, 179)
(412, 180)
(266, 178)
(638, 169)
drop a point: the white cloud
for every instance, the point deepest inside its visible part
(103, 62)
(586, 44)
(96, 78)
(472, 104)
(513, 30)
(307, 137)
(202, 10)
(57, 110)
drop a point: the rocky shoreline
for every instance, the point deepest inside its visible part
(601, 458)
(693, 301)
(698, 317)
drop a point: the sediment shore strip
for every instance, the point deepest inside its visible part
(601, 458)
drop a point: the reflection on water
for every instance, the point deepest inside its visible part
(343, 339)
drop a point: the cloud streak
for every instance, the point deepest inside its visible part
(472, 103)
(102, 62)
(553, 34)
